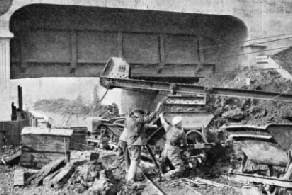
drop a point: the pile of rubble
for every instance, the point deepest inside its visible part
(249, 111)
(254, 79)
(86, 173)
(284, 59)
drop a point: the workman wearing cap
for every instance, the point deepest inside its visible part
(174, 138)
(136, 137)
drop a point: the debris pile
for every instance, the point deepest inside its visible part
(284, 59)
(254, 79)
(249, 111)
(85, 174)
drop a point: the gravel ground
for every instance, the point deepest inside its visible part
(210, 171)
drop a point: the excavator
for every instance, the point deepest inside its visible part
(187, 100)
(192, 103)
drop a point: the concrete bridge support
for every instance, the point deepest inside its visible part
(5, 36)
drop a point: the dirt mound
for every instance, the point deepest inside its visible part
(264, 80)
(284, 59)
(245, 110)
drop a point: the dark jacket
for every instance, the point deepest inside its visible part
(136, 132)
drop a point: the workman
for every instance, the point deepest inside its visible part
(175, 141)
(136, 138)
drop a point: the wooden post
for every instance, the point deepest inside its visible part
(243, 163)
(34, 122)
(65, 152)
(19, 90)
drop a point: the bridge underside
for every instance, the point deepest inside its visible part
(75, 41)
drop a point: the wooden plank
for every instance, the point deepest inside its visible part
(46, 170)
(47, 180)
(37, 159)
(53, 144)
(61, 178)
(14, 159)
(246, 178)
(19, 95)
(93, 141)
(46, 131)
(266, 137)
(41, 156)
(212, 183)
(18, 177)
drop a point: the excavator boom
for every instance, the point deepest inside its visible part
(116, 74)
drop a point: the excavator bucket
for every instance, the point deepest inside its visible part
(115, 68)
(192, 108)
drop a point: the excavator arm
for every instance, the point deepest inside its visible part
(117, 74)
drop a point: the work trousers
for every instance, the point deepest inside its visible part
(135, 156)
(171, 155)
(123, 155)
